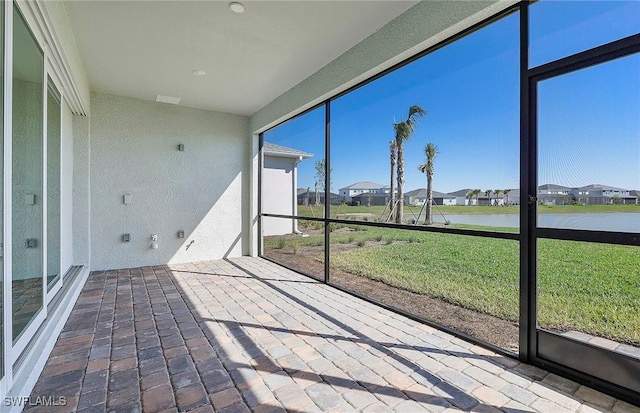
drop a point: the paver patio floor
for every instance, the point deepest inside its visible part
(246, 335)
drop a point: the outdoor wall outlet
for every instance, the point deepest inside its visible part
(30, 243)
(181, 147)
(181, 234)
(126, 237)
(126, 199)
(154, 237)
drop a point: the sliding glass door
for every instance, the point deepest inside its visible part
(28, 199)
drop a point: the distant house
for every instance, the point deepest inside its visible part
(553, 194)
(510, 198)
(513, 197)
(418, 197)
(370, 199)
(597, 194)
(491, 198)
(279, 183)
(334, 198)
(461, 197)
(363, 187)
(594, 194)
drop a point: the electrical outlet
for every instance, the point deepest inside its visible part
(181, 234)
(126, 237)
(30, 243)
(154, 237)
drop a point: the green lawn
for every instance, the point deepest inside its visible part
(594, 288)
(347, 211)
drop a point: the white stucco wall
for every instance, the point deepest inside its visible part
(203, 190)
(278, 194)
(420, 27)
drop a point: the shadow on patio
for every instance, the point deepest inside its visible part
(247, 335)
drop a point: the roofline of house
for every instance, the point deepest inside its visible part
(300, 156)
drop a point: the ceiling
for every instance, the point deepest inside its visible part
(146, 48)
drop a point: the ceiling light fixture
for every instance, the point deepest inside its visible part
(167, 99)
(199, 72)
(237, 7)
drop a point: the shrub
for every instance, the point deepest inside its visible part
(294, 248)
(379, 238)
(361, 243)
(280, 244)
(351, 239)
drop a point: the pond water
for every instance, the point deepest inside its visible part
(613, 221)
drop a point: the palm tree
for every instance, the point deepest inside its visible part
(430, 153)
(497, 192)
(477, 192)
(469, 195)
(403, 131)
(506, 195)
(488, 193)
(393, 158)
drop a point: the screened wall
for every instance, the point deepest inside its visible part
(487, 186)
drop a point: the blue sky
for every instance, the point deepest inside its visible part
(589, 121)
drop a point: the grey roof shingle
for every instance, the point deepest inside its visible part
(365, 185)
(600, 187)
(461, 192)
(273, 149)
(422, 193)
(553, 187)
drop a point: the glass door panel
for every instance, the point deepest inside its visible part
(53, 189)
(588, 216)
(27, 168)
